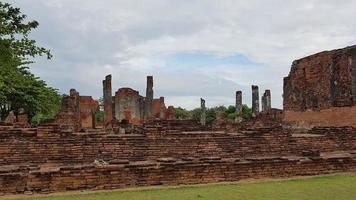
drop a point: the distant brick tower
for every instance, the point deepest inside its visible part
(107, 95)
(255, 101)
(149, 97)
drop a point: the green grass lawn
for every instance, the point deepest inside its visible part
(337, 187)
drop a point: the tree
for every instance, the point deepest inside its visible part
(181, 113)
(210, 114)
(230, 112)
(195, 114)
(14, 32)
(246, 112)
(20, 90)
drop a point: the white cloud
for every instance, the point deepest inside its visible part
(91, 38)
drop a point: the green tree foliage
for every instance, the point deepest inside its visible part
(181, 113)
(210, 114)
(229, 113)
(246, 112)
(14, 32)
(195, 114)
(20, 90)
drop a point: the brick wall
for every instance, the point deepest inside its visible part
(174, 172)
(325, 80)
(49, 158)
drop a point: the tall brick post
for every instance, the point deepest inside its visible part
(267, 95)
(255, 101)
(263, 103)
(149, 97)
(107, 95)
(203, 112)
(238, 106)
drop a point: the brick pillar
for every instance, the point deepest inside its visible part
(263, 103)
(162, 109)
(352, 69)
(238, 106)
(203, 112)
(149, 97)
(75, 108)
(255, 101)
(107, 95)
(267, 95)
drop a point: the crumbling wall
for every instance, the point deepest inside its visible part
(165, 171)
(108, 102)
(31, 145)
(87, 108)
(129, 106)
(318, 83)
(162, 156)
(77, 112)
(170, 113)
(159, 108)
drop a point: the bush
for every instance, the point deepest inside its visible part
(181, 113)
(246, 112)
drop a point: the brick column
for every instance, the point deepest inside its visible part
(238, 106)
(267, 95)
(107, 95)
(149, 97)
(255, 101)
(203, 112)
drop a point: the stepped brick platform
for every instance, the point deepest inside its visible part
(168, 171)
(50, 158)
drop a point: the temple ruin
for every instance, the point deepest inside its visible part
(320, 90)
(238, 106)
(77, 112)
(141, 143)
(255, 101)
(130, 107)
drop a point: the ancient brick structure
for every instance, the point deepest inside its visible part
(158, 108)
(77, 112)
(320, 89)
(266, 101)
(238, 103)
(129, 106)
(203, 112)
(21, 121)
(156, 149)
(255, 101)
(170, 113)
(108, 103)
(149, 98)
(165, 154)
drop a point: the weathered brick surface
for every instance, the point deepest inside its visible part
(129, 106)
(319, 83)
(77, 111)
(134, 174)
(49, 158)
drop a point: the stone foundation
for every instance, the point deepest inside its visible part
(334, 116)
(122, 174)
(51, 159)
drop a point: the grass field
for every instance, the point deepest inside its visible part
(337, 187)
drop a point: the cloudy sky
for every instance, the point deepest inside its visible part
(193, 48)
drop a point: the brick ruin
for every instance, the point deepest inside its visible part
(320, 90)
(142, 144)
(77, 112)
(130, 107)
